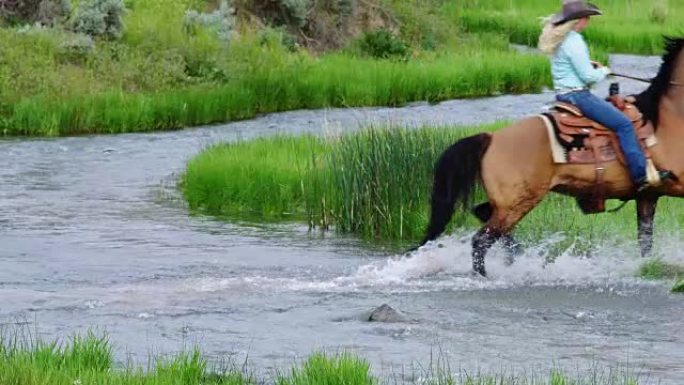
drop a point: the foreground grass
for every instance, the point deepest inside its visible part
(627, 26)
(89, 360)
(376, 183)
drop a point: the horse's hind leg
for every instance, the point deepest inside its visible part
(517, 171)
(513, 248)
(501, 223)
(483, 240)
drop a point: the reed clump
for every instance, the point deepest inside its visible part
(376, 183)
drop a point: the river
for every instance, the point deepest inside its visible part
(94, 235)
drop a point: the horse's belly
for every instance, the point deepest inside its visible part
(582, 180)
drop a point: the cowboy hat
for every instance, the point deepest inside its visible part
(575, 9)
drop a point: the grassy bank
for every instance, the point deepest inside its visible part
(90, 360)
(375, 183)
(627, 26)
(292, 83)
(162, 74)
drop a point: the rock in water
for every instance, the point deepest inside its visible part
(385, 313)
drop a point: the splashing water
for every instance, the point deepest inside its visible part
(446, 265)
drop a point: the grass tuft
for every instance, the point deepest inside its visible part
(678, 287)
(659, 269)
(323, 369)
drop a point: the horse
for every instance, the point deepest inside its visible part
(516, 169)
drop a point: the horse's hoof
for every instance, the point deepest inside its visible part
(478, 274)
(515, 250)
(509, 260)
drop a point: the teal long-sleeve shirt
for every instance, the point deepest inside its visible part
(571, 66)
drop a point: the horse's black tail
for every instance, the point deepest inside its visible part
(456, 175)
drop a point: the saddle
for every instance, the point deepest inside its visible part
(588, 142)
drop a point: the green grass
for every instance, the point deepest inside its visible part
(333, 80)
(628, 26)
(324, 369)
(376, 183)
(659, 269)
(678, 287)
(89, 360)
(160, 78)
(263, 178)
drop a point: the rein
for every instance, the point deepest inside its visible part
(646, 80)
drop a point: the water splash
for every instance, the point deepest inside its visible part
(446, 265)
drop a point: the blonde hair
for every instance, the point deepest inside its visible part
(553, 35)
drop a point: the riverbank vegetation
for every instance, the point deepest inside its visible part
(627, 26)
(376, 183)
(678, 287)
(110, 66)
(657, 269)
(90, 360)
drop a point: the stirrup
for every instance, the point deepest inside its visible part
(660, 177)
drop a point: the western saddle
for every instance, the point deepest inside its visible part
(588, 142)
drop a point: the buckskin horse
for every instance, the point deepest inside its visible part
(516, 167)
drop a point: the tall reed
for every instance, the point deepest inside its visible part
(376, 183)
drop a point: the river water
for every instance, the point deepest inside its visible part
(93, 235)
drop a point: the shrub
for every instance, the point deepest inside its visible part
(345, 7)
(51, 12)
(100, 18)
(659, 11)
(297, 10)
(76, 49)
(291, 13)
(34, 11)
(222, 21)
(383, 44)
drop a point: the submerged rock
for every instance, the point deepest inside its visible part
(385, 313)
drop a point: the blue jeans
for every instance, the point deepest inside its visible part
(606, 114)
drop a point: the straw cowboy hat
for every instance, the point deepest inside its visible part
(575, 9)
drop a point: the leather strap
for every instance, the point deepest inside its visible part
(600, 185)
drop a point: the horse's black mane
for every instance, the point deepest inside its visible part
(649, 100)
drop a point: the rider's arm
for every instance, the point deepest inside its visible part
(578, 52)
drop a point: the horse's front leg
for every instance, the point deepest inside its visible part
(646, 208)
